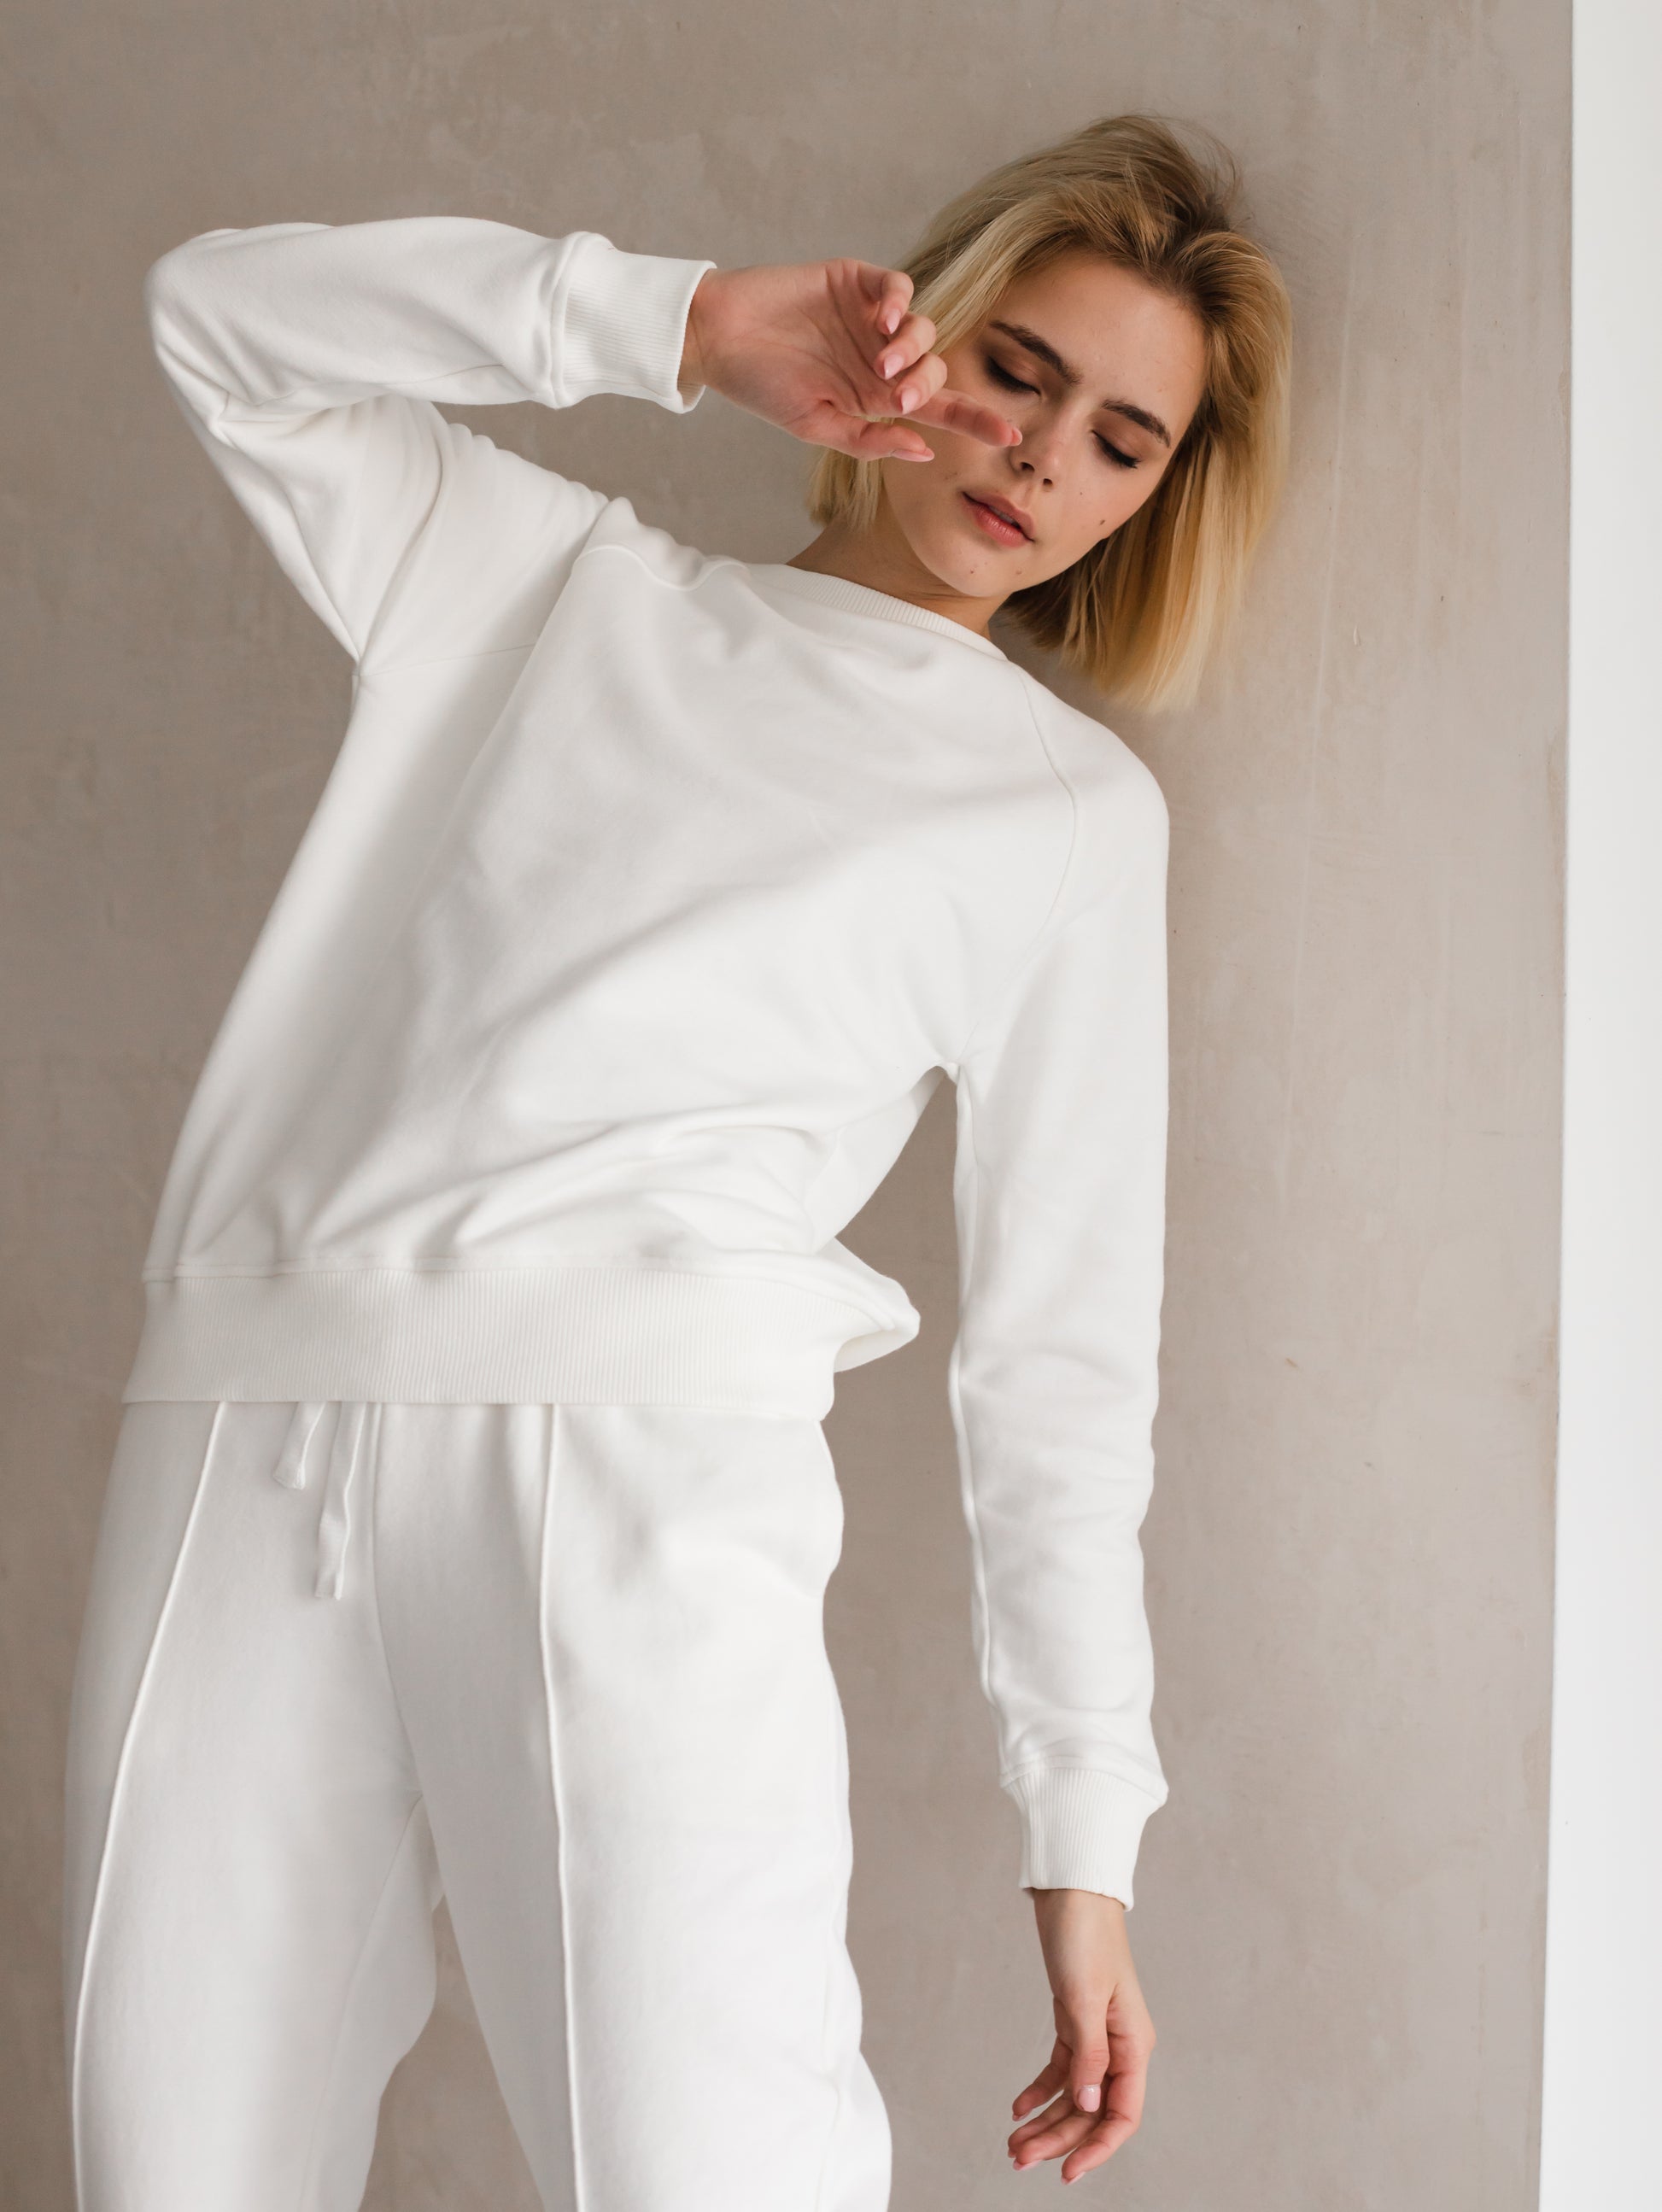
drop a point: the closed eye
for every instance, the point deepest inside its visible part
(1000, 374)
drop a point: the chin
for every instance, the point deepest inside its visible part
(944, 541)
(976, 571)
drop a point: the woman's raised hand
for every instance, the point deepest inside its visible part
(827, 350)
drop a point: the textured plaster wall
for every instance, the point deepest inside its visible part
(1340, 1912)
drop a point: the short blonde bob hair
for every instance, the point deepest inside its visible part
(1139, 614)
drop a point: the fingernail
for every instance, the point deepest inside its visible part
(907, 400)
(1088, 2098)
(886, 364)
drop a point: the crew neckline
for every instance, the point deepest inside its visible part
(861, 599)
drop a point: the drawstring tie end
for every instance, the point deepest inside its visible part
(352, 1421)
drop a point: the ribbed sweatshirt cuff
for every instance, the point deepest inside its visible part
(1081, 1829)
(623, 325)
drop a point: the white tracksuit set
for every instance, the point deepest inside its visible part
(470, 1517)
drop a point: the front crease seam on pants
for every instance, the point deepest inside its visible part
(579, 2193)
(117, 1792)
(836, 1941)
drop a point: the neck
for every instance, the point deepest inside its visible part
(879, 557)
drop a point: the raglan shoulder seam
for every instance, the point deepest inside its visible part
(1066, 785)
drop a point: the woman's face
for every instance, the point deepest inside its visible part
(1101, 374)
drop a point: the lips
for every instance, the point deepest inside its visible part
(999, 518)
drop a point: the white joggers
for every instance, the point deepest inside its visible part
(564, 1664)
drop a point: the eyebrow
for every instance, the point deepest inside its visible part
(1042, 349)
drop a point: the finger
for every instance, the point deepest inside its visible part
(1122, 2118)
(894, 292)
(882, 441)
(869, 296)
(1061, 2114)
(1088, 2069)
(863, 437)
(1128, 2088)
(911, 342)
(956, 411)
(1045, 2083)
(1055, 2134)
(1097, 2148)
(911, 382)
(917, 386)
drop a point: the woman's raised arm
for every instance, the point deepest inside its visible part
(307, 358)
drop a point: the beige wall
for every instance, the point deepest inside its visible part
(1340, 1911)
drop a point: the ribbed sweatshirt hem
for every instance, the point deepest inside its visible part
(589, 1334)
(1080, 1828)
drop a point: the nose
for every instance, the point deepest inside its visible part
(1035, 456)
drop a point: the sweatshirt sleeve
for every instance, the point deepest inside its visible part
(307, 358)
(1060, 1195)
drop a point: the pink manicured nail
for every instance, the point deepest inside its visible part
(907, 400)
(886, 364)
(1089, 2098)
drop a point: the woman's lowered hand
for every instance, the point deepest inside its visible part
(1087, 2098)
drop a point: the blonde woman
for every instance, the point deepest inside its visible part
(470, 1517)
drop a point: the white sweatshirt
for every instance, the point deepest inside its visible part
(649, 897)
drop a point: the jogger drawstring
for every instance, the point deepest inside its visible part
(353, 1419)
